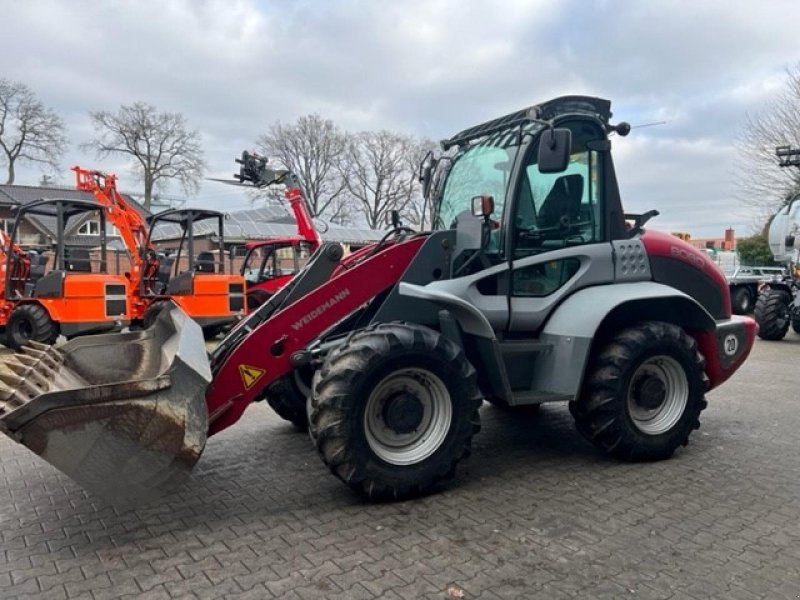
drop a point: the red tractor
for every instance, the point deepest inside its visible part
(534, 287)
(271, 264)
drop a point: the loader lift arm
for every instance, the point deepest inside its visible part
(270, 341)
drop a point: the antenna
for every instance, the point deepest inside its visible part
(653, 124)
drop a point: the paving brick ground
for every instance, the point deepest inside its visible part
(535, 513)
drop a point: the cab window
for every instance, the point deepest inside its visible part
(556, 210)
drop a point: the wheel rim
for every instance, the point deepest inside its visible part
(657, 395)
(407, 416)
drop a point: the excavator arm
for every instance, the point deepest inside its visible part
(129, 222)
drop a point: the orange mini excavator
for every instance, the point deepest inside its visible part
(199, 284)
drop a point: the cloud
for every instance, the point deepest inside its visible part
(425, 67)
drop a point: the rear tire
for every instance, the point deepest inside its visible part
(643, 394)
(30, 322)
(288, 396)
(772, 314)
(394, 410)
(742, 301)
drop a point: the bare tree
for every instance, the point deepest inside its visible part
(161, 144)
(378, 174)
(313, 149)
(760, 183)
(29, 132)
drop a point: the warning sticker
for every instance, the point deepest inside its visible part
(250, 375)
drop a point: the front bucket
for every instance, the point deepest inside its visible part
(123, 414)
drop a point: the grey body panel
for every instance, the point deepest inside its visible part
(582, 313)
(430, 264)
(630, 261)
(557, 358)
(528, 313)
(462, 293)
(471, 319)
(571, 329)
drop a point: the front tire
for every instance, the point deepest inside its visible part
(643, 394)
(772, 314)
(394, 410)
(30, 322)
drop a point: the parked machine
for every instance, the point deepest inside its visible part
(270, 264)
(535, 287)
(197, 282)
(778, 304)
(71, 298)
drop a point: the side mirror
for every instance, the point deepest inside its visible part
(554, 149)
(426, 167)
(392, 219)
(482, 206)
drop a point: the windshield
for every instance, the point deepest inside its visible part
(481, 170)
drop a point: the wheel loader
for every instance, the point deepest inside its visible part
(534, 287)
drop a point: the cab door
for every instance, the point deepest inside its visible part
(557, 243)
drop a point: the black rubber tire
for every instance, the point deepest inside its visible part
(152, 312)
(30, 322)
(212, 331)
(286, 398)
(602, 413)
(741, 301)
(795, 325)
(341, 392)
(772, 314)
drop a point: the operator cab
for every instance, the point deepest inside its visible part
(27, 275)
(271, 260)
(186, 262)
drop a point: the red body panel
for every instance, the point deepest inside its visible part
(665, 245)
(658, 243)
(264, 355)
(708, 343)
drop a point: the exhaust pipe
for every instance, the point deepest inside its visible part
(123, 414)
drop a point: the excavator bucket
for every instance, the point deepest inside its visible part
(122, 414)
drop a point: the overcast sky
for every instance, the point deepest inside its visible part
(428, 68)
